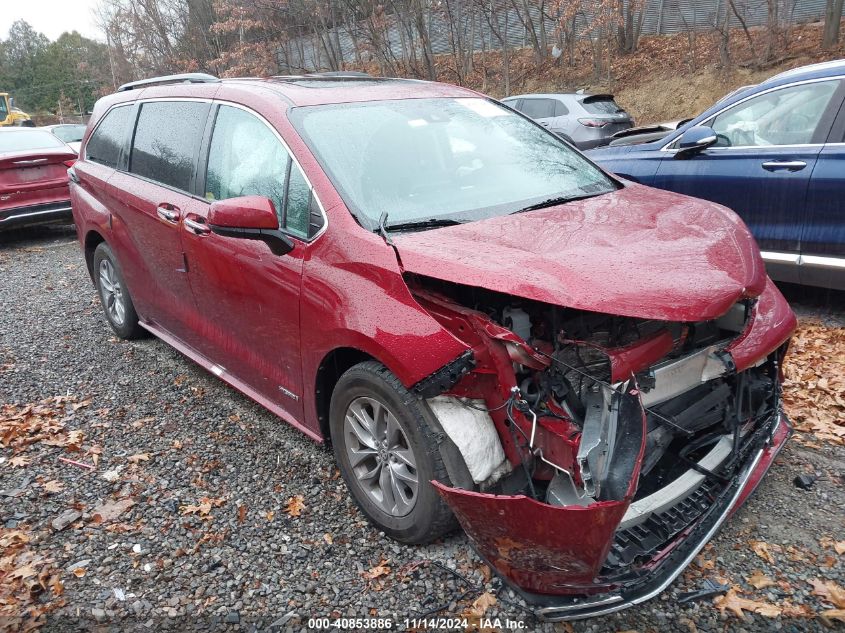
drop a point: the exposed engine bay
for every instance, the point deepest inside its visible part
(643, 420)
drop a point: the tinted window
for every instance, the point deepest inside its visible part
(457, 159)
(245, 159)
(538, 108)
(3, 111)
(108, 139)
(601, 105)
(19, 140)
(167, 140)
(298, 203)
(560, 109)
(788, 116)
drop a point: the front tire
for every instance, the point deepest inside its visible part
(388, 454)
(114, 295)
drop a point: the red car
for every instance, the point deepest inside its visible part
(584, 372)
(33, 178)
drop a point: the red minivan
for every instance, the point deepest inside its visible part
(581, 371)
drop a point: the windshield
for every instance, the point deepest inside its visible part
(20, 140)
(70, 133)
(442, 159)
(4, 112)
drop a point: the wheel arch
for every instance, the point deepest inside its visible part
(333, 365)
(92, 240)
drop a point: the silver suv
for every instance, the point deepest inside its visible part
(586, 121)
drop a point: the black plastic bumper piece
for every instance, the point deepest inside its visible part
(446, 377)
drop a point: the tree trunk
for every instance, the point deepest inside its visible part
(832, 19)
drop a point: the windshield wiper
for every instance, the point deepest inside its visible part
(430, 223)
(551, 202)
(382, 229)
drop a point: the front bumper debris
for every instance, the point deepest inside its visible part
(560, 558)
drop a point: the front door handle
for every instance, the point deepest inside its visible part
(789, 165)
(198, 228)
(168, 213)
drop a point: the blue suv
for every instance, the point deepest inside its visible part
(775, 154)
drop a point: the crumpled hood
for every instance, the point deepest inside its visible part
(637, 252)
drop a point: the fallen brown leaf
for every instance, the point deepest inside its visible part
(379, 570)
(763, 550)
(759, 580)
(138, 457)
(830, 591)
(18, 461)
(736, 604)
(328, 538)
(241, 514)
(109, 511)
(480, 605)
(829, 543)
(295, 505)
(833, 614)
(54, 485)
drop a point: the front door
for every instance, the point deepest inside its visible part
(248, 298)
(823, 237)
(761, 165)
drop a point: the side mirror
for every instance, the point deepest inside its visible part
(250, 218)
(695, 140)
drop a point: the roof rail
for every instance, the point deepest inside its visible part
(188, 78)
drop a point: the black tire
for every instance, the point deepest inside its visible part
(430, 517)
(128, 327)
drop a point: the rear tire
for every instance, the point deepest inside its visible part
(114, 295)
(388, 454)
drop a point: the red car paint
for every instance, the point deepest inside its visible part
(636, 252)
(538, 547)
(31, 182)
(771, 324)
(270, 325)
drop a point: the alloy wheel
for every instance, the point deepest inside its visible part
(380, 456)
(111, 292)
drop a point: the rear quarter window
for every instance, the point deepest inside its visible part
(109, 137)
(601, 106)
(167, 141)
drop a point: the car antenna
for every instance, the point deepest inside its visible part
(382, 228)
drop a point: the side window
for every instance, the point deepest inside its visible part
(538, 108)
(298, 208)
(788, 116)
(560, 109)
(110, 136)
(247, 159)
(167, 141)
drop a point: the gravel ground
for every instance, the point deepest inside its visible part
(209, 540)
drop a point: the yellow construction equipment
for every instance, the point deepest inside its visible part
(10, 115)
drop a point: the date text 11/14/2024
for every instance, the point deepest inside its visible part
(417, 624)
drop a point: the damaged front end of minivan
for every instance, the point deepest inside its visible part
(604, 450)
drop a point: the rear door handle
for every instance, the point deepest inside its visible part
(168, 213)
(198, 228)
(789, 165)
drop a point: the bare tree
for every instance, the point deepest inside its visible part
(832, 20)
